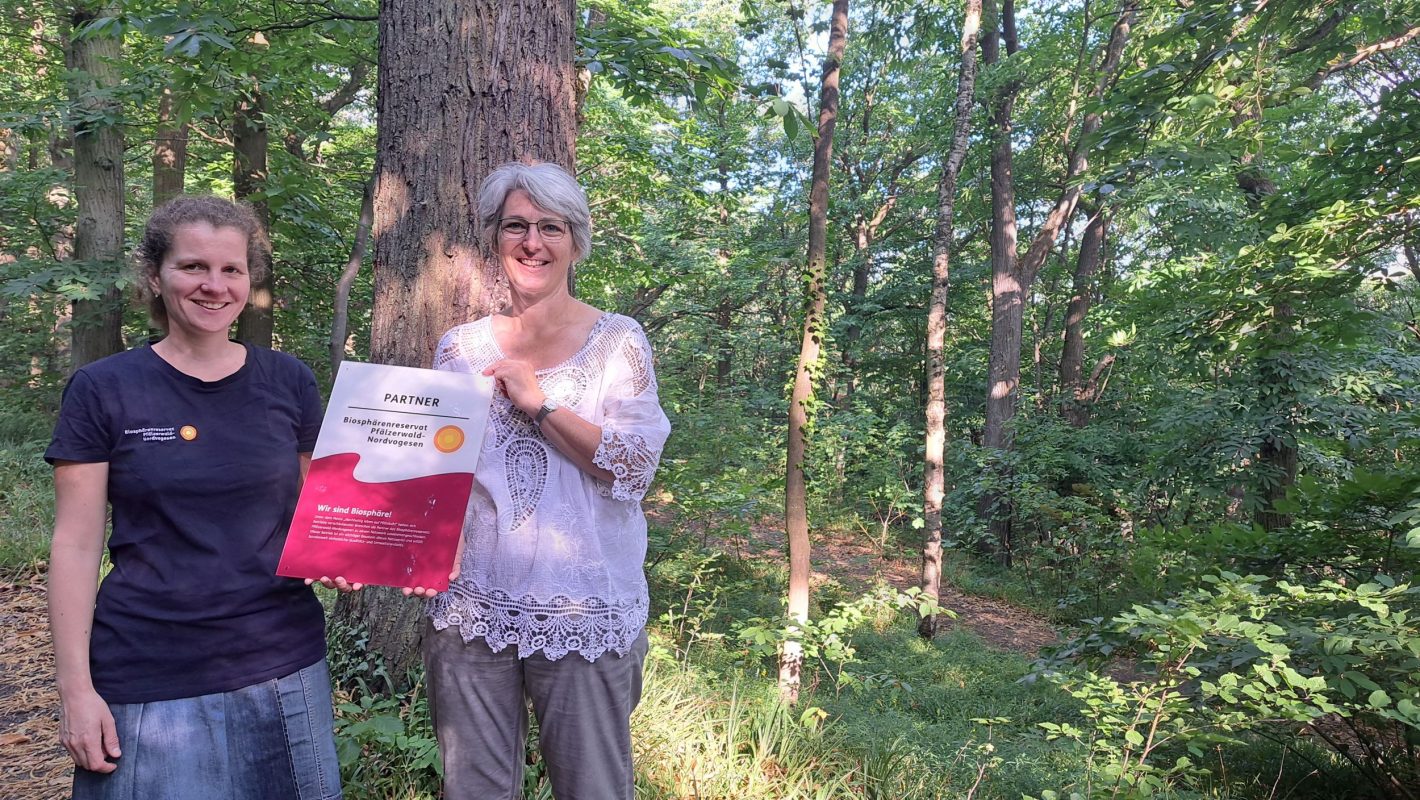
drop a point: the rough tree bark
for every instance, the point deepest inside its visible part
(463, 87)
(934, 469)
(97, 324)
(1011, 278)
(1007, 297)
(169, 152)
(250, 143)
(796, 518)
(1078, 395)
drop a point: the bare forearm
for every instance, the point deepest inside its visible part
(73, 584)
(80, 511)
(577, 439)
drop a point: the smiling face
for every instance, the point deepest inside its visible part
(203, 280)
(535, 267)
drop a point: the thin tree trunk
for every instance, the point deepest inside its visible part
(857, 293)
(1277, 459)
(1076, 397)
(340, 323)
(169, 152)
(934, 470)
(464, 86)
(796, 518)
(97, 325)
(250, 144)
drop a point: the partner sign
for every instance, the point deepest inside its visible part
(390, 477)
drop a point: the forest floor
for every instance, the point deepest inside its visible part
(33, 766)
(856, 562)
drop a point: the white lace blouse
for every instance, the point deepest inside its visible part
(553, 556)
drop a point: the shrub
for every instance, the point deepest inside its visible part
(1248, 654)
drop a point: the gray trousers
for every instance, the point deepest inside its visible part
(478, 699)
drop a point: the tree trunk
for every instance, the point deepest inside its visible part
(796, 518)
(97, 324)
(853, 306)
(1012, 279)
(1077, 397)
(169, 152)
(249, 174)
(340, 323)
(1007, 295)
(463, 88)
(934, 470)
(1277, 459)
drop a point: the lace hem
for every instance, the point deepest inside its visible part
(590, 627)
(630, 460)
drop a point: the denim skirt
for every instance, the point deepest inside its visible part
(270, 741)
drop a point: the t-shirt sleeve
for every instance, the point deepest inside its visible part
(634, 429)
(83, 432)
(310, 410)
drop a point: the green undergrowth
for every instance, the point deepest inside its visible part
(26, 489)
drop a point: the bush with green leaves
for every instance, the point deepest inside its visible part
(1335, 662)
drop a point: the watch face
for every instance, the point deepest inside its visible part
(551, 405)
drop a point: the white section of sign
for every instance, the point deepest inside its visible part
(405, 422)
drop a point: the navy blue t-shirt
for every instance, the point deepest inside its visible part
(203, 478)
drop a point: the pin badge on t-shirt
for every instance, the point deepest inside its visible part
(187, 432)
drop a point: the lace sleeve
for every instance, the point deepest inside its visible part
(635, 428)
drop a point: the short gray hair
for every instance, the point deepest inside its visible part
(550, 187)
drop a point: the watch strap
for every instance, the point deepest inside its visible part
(547, 408)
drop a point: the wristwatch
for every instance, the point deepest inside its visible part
(548, 406)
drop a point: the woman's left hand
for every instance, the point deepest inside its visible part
(519, 383)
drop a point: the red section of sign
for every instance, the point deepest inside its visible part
(403, 533)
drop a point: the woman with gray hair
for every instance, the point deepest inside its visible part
(548, 600)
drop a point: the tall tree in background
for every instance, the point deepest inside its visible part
(169, 150)
(1077, 393)
(1007, 301)
(934, 471)
(250, 145)
(500, 98)
(92, 58)
(796, 517)
(1013, 278)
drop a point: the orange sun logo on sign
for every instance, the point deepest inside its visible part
(187, 432)
(448, 438)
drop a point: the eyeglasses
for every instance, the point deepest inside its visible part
(549, 229)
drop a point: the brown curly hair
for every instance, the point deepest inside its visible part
(185, 210)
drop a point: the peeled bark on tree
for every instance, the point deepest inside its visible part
(796, 518)
(97, 325)
(250, 143)
(934, 470)
(169, 152)
(463, 87)
(1078, 395)
(340, 323)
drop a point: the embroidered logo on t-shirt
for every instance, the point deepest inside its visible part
(187, 432)
(155, 434)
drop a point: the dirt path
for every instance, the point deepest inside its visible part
(33, 766)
